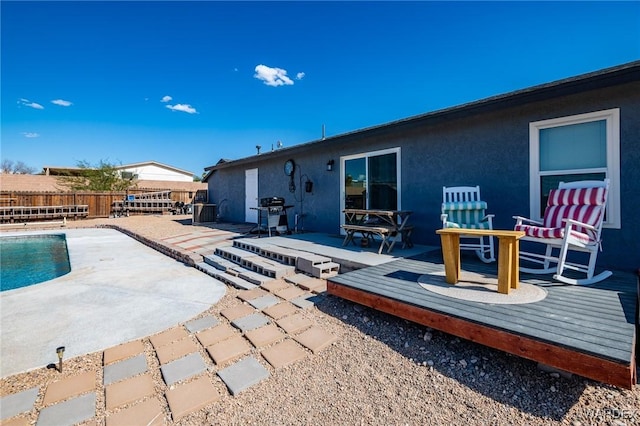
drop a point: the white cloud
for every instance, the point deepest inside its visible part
(61, 102)
(27, 102)
(272, 76)
(300, 76)
(183, 107)
(166, 99)
(30, 135)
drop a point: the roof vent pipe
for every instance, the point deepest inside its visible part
(323, 132)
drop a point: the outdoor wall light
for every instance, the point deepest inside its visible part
(60, 352)
(329, 165)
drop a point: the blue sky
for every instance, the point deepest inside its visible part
(188, 83)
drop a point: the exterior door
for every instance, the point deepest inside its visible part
(251, 195)
(371, 181)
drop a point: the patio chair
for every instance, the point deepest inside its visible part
(572, 222)
(463, 208)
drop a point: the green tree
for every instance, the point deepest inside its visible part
(103, 177)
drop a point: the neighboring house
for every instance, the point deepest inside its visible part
(149, 176)
(516, 146)
(148, 170)
(43, 183)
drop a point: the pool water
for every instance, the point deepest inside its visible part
(31, 259)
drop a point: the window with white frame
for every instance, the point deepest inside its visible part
(578, 147)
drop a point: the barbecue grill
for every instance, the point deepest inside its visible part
(276, 213)
(272, 202)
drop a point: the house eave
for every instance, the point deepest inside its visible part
(607, 77)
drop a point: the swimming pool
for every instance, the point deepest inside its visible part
(31, 259)
(118, 290)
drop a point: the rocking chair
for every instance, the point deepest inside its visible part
(572, 221)
(462, 208)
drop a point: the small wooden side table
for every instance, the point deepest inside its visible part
(508, 259)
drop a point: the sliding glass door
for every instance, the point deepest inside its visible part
(371, 181)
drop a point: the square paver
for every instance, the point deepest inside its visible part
(275, 285)
(14, 404)
(250, 322)
(254, 293)
(189, 397)
(307, 301)
(283, 354)
(203, 323)
(243, 374)
(315, 339)
(128, 391)
(216, 334)
(280, 310)
(229, 349)
(183, 368)
(297, 278)
(294, 323)
(264, 301)
(18, 421)
(315, 285)
(69, 412)
(290, 293)
(70, 386)
(174, 350)
(237, 312)
(168, 336)
(123, 351)
(124, 369)
(148, 413)
(264, 336)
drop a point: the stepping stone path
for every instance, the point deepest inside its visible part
(239, 347)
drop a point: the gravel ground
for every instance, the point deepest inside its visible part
(381, 371)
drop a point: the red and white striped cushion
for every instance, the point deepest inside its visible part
(577, 197)
(553, 233)
(584, 205)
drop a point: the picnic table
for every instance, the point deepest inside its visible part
(388, 225)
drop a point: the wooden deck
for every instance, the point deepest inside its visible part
(589, 331)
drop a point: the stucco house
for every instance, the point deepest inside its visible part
(516, 146)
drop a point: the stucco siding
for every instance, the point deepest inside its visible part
(490, 149)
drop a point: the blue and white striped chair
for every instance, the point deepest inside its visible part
(463, 208)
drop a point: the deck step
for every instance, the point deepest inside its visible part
(247, 244)
(235, 255)
(255, 263)
(317, 266)
(218, 262)
(225, 277)
(255, 277)
(235, 281)
(280, 254)
(326, 270)
(271, 268)
(259, 262)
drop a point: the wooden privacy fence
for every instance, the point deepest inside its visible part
(99, 204)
